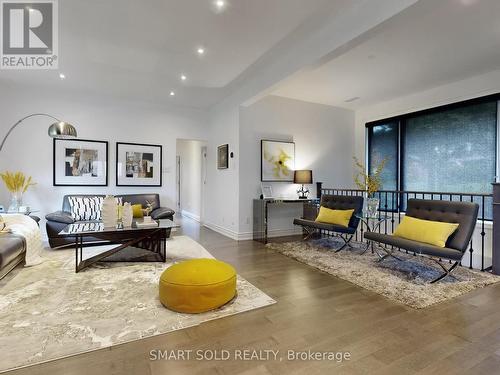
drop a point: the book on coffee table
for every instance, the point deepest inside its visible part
(144, 224)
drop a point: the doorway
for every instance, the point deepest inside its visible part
(191, 178)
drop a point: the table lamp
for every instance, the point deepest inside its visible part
(303, 177)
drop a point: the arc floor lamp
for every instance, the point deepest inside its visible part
(59, 129)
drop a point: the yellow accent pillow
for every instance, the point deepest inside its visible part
(337, 217)
(137, 211)
(197, 285)
(432, 232)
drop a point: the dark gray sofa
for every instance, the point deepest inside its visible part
(462, 213)
(56, 221)
(12, 251)
(336, 202)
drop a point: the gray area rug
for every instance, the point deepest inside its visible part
(49, 312)
(406, 282)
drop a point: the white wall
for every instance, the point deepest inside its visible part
(221, 206)
(29, 149)
(324, 142)
(191, 161)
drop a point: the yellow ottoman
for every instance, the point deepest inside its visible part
(197, 285)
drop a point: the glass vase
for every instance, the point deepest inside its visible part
(372, 205)
(16, 200)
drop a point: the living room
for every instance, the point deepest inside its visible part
(173, 219)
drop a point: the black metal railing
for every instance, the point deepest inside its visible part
(393, 204)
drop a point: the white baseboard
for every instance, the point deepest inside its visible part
(190, 215)
(244, 236)
(224, 231)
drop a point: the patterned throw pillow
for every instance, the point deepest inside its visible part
(85, 208)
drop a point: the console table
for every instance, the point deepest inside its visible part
(261, 213)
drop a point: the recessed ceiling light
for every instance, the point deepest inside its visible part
(201, 51)
(172, 93)
(62, 76)
(219, 6)
(183, 77)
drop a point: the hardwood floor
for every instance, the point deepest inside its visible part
(317, 312)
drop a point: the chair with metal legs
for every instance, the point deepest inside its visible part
(462, 213)
(335, 202)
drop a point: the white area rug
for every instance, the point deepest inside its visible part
(405, 282)
(49, 311)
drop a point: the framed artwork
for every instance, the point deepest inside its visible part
(277, 161)
(80, 162)
(223, 157)
(138, 164)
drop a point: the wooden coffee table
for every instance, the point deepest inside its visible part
(151, 239)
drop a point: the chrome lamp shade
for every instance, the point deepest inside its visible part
(58, 129)
(62, 130)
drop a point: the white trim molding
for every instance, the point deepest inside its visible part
(224, 231)
(245, 236)
(190, 215)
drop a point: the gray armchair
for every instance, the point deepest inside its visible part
(336, 202)
(462, 213)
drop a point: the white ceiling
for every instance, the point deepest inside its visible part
(139, 49)
(428, 44)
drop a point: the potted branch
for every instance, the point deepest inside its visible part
(17, 184)
(370, 184)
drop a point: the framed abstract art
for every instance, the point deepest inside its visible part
(277, 161)
(138, 164)
(80, 162)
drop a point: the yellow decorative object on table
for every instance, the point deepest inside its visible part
(197, 285)
(137, 211)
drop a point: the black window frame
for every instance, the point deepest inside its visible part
(369, 132)
(401, 121)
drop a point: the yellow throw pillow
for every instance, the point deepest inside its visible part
(432, 232)
(137, 211)
(337, 217)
